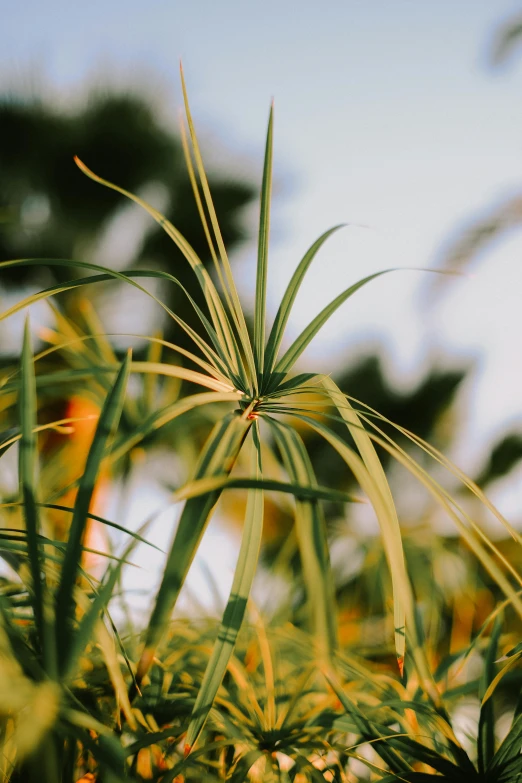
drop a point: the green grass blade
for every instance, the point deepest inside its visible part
(107, 522)
(165, 416)
(243, 766)
(486, 728)
(294, 385)
(227, 332)
(262, 252)
(28, 468)
(301, 491)
(237, 602)
(83, 634)
(154, 353)
(237, 310)
(107, 424)
(403, 601)
(214, 303)
(169, 370)
(218, 457)
(107, 274)
(281, 319)
(27, 471)
(508, 751)
(312, 540)
(296, 349)
(448, 464)
(176, 371)
(366, 728)
(472, 533)
(392, 539)
(303, 767)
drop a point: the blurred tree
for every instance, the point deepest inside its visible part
(507, 38)
(49, 209)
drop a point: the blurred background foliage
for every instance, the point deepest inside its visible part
(49, 210)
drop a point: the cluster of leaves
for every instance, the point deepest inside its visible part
(99, 703)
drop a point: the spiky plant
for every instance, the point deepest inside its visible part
(265, 405)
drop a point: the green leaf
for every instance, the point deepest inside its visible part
(470, 531)
(244, 765)
(83, 634)
(107, 424)
(164, 416)
(28, 467)
(312, 540)
(106, 274)
(403, 602)
(294, 385)
(306, 766)
(172, 370)
(237, 310)
(463, 772)
(508, 751)
(214, 303)
(486, 728)
(237, 602)
(367, 729)
(262, 252)
(389, 523)
(298, 346)
(218, 457)
(301, 491)
(104, 521)
(279, 325)
(381, 498)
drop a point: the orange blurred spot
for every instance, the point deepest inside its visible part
(73, 450)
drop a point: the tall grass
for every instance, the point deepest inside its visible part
(144, 715)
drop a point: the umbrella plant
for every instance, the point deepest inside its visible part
(265, 404)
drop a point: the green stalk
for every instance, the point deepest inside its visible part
(237, 602)
(218, 457)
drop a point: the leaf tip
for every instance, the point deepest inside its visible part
(186, 750)
(144, 664)
(83, 168)
(400, 663)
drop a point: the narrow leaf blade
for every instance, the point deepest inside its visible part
(107, 423)
(218, 457)
(262, 252)
(237, 602)
(281, 319)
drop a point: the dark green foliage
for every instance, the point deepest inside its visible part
(50, 210)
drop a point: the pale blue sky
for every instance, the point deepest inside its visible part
(387, 115)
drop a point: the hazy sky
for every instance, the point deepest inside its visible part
(388, 115)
